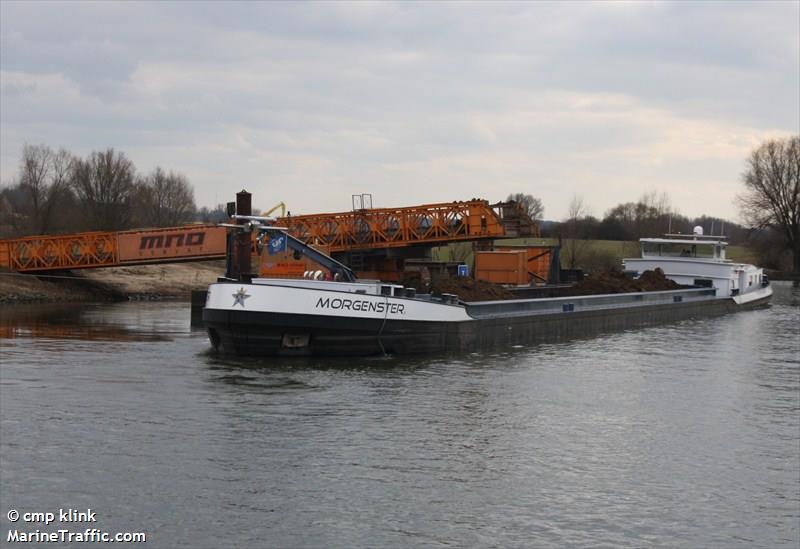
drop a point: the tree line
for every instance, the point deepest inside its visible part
(651, 215)
(56, 191)
(769, 205)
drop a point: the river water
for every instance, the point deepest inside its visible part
(682, 435)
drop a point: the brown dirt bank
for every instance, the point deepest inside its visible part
(146, 282)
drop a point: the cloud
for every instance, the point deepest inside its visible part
(309, 103)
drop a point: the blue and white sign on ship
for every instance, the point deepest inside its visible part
(277, 244)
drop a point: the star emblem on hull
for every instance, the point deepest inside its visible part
(239, 297)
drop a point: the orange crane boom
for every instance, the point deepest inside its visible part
(415, 225)
(367, 229)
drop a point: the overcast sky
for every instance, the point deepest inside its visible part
(413, 102)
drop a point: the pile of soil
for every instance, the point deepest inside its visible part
(468, 289)
(615, 282)
(603, 282)
(652, 281)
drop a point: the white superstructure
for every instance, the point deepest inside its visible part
(699, 260)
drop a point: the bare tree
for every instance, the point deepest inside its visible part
(656, 215)
(166, 199)
(43, 179)
(533, 205)
(33, 179)
(59, 194)
(8, 216)
(56, 192)
(577, 208)
(650, 216)
(574, 248)
(772, 191)
(104, 183)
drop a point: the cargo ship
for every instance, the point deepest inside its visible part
(343, 316)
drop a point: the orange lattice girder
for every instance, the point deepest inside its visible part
(110, 249)
(360, 229)
(39, 253)
(396, 227)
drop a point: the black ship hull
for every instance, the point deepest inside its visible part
(255, 333)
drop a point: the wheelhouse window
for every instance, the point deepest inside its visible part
(678, 249)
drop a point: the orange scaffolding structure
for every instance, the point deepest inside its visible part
(366, 229)
(113, 249)
(429, 224)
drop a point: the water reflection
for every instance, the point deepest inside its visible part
(92, 322)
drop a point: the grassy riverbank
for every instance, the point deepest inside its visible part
(146, 282)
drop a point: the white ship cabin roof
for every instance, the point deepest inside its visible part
(686, 246)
